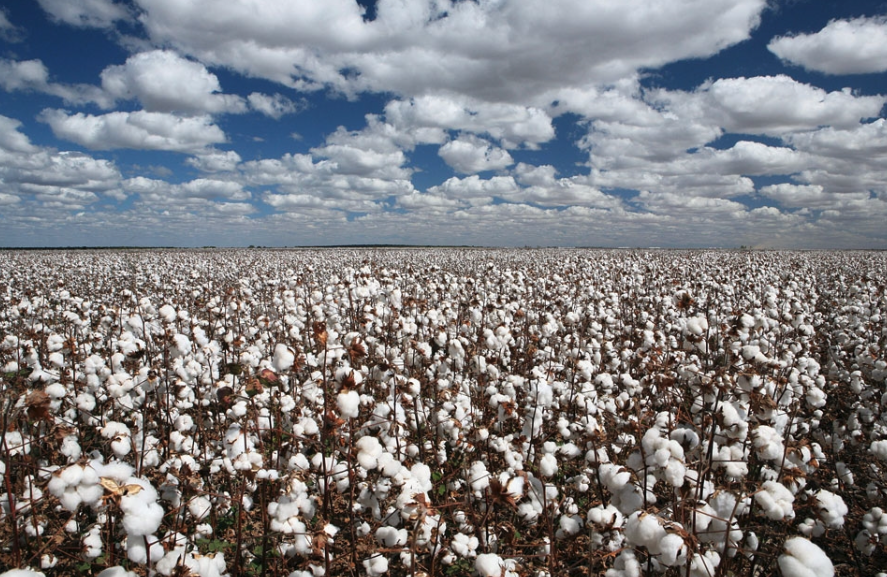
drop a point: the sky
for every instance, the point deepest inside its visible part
(613, 123)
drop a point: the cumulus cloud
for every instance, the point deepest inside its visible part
(512, 124)
(214, 160)
(32, 75)
(415, 48)
(51, 177)
(85, 13)
(201, 188)
(857, 46)
(138, 130)
(274, 106)
(469, 155)
(772, 105)
(163, 81)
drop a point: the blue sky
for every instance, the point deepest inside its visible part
(680, 123)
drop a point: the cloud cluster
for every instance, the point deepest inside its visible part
(474, 92)
(857, 46)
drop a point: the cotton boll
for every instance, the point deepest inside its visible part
(22, 573)
(142, 513)
(569, 525)
(478, 476)
(489, 565)
(376, 565)
(804, 559)
(626, 565)
(673, 551)
(349, 404)
(548, 465)
(137, 551)
(645, 530)
(776, 501)
(768, 442)
(283, 358)
(391, 536)
(879, 449)
(831, 508)
(199, 507)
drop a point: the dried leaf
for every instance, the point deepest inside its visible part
(112, 487)
(38, 406)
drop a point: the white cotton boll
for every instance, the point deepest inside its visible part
(22, 573)
(569, 525)
(391, 536)
(142, 513)
(349, 404)
(831, 508)
(369, 450)
(776, 501)
(71, 448)
(804, 559)
(672, 551)
(626, 565)
(768, 442)
(548, 465)
(643, 529)
(137, 552)
(489, 565)
(704, 565)
(199, 507)
(283, 358)
(879, 449)
(478, 476)
(376, 565)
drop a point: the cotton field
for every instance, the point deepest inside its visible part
(500, 413)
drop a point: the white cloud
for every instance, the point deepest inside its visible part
(476, 190)
(33, 75)
(469, 155)
(214, 160)
(50, 177)
(812, 196)
(857, 46)
(85, 13)
(139, 130)
(8, 31)
(514, 125)
(493, 51)
(772, 105)
(152, 190)
(274, 106)
(11, 139)
(163, 81)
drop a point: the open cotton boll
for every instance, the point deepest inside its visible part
(804, 559)
(643, 529)
(489, 565)
(283, 358)
(831, 508)
(672, 550)
(349, 404)
(137, 552)
(376, 565)
(548, 465)
(142, 514)
(22, 573)
(776, 501)
(391, 536)
(369, 449)
(478, 476)
(768, 443)
(879, 449)
(117, 571)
